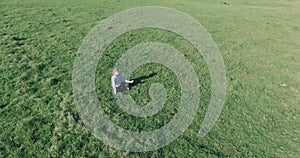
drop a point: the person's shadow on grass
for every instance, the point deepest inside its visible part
(141, 80)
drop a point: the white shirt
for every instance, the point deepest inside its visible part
(116, 80)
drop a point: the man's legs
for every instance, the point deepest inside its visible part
(123, 87)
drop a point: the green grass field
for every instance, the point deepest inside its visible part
(259, 42)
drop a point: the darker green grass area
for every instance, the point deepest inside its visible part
(259, 43)
(162, 75)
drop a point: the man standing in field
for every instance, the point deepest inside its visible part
(118, 82)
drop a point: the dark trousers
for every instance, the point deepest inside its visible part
(122, 88)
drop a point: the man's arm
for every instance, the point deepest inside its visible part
(127, 81)
(113, 84)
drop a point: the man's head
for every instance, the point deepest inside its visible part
(115, 71)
